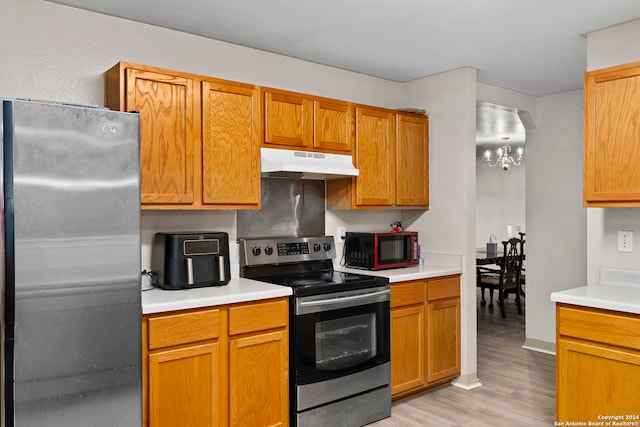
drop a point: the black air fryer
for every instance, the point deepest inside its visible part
(190, 260)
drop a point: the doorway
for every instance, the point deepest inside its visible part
(500, 185)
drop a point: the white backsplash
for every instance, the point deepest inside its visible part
(619, 276)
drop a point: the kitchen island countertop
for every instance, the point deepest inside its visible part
(238, 289)
(618, 290)
(624, 298)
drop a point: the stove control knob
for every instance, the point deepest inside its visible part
(316, 247)
(268, 250)
(327, 246)
(255, 251)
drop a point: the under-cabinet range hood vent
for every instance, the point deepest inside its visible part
(294, 164)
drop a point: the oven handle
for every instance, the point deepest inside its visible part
(305, 307)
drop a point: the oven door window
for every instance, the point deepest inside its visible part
(340, 342)
(347, 342)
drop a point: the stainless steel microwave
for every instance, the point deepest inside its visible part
(378, 251)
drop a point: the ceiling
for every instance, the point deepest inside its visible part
(535, 47)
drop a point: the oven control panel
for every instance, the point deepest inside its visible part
(281, 250)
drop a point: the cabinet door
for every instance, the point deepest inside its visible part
(611, 136)
(412, 147)
(288, 119)
(333, 125)
(166, 106)
(230, 145)
(258, 380)
(443, 345)
(375, 157)
(407, 348)
(595, 380)
(183, 387)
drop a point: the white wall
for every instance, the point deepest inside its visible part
(606, 48)
(448, 227)
(556, 221)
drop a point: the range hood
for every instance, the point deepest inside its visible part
(280, 163)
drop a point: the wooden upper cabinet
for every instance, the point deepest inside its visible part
(166, 106)
(230, 144)
(333, 125)
(392, 154)
(288, 119)
(294, 120)
(199, 137)
(612, 137)
(375, 157)
(412, 161)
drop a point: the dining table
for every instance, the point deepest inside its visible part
(483, 258)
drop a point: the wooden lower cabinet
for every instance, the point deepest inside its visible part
(222, 366)
(183, 386)
(407, 348)
(597, 364)
(443, 328)
(425, 334)
(257, 393)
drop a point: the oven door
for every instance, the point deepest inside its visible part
(340, 345)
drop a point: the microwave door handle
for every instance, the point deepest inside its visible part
(221, 271)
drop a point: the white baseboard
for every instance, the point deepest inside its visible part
(467, 382)
(540, 346)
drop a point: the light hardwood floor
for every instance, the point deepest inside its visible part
(518, 385)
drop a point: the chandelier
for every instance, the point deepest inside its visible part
(504, 158)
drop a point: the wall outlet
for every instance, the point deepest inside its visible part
(625, 241)
(341, 233)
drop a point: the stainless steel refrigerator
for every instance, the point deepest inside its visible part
(70, 266)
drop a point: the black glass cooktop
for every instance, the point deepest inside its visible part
(321, 282)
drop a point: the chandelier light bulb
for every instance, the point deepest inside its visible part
(504, 159)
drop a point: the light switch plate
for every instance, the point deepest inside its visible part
(625, 241)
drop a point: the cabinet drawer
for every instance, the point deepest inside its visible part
(609, 327)
(182, 328)
(407, 293)
(261, 316)
(446, 287)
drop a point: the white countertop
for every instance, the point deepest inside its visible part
(407, 273)
(618, 290)
(435, 265)
(237, 290)
(625, 298)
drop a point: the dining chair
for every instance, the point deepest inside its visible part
(506, 278)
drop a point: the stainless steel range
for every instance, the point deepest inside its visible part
(339, 331)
